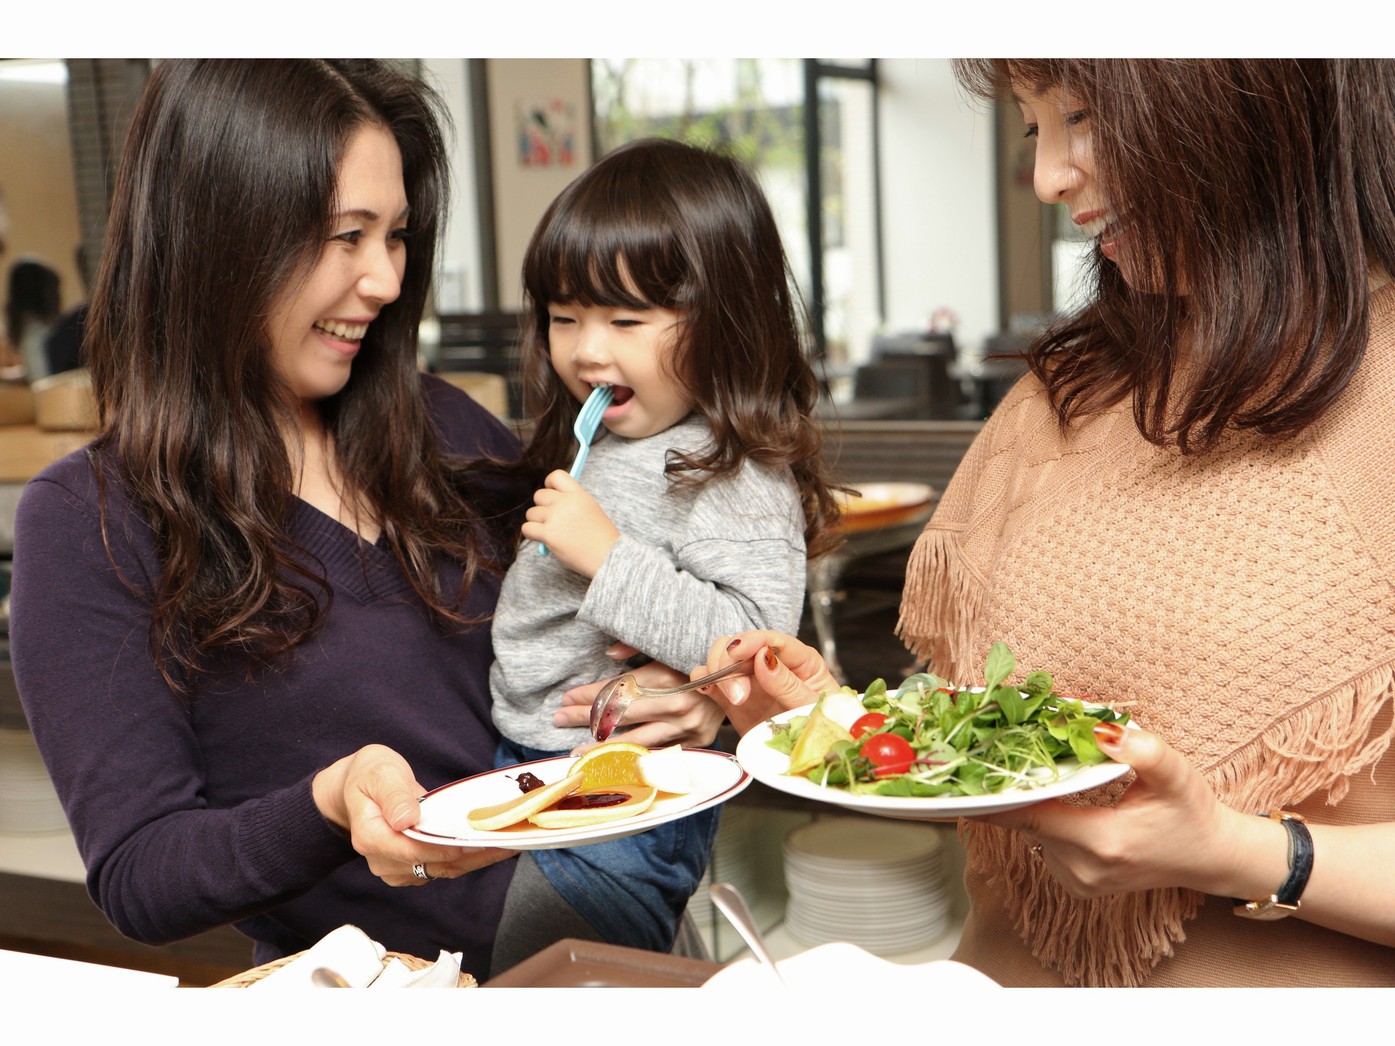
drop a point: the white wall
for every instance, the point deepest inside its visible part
(458, 283)
(36, 180)
(522, 193)
(939, 237)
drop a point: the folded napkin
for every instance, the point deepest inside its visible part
(348, 951)
(848, 966)
(443, 973)
(356, 957)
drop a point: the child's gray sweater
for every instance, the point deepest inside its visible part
(691, 565)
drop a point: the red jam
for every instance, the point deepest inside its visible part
(592, 800)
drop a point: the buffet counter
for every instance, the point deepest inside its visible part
(26, 450)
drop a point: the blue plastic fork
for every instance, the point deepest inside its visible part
(588, 420)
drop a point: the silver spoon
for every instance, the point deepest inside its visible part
(729, 901)
(615, 696)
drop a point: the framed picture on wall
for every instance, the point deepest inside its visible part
(547, 133)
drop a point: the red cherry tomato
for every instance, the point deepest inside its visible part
(866, 724)
(890, 754)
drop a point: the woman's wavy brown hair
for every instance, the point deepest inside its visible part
(693, 232)
(1258, 195)
(225, 197)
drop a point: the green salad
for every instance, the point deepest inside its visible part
(931, 738)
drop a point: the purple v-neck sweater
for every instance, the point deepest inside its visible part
(194, 813)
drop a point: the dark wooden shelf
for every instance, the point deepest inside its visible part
(56, 918)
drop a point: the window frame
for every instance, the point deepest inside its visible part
(816, 71)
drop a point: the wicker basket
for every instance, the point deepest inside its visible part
(250, 977)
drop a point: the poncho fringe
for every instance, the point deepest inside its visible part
(1116, 941)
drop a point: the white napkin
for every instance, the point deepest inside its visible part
(443, 973)
(348, 951)
(848, 966)
(356, 957)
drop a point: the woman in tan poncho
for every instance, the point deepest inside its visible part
(1185, 508)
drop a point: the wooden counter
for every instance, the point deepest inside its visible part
(26, 450)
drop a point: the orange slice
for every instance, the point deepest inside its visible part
(613, 763)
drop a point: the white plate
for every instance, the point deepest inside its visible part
(884, 504)
(854, 968)
(716, 776)
(768, 767)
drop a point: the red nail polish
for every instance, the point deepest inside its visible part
(1108, 735)
(733, 644)
(770, 660)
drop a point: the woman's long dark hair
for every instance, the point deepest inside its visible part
(694, 233)
(1257, 196)
(224, 200)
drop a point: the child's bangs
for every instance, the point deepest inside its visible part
(623, 266)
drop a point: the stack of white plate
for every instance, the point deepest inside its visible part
(877, 884)
(28, 802)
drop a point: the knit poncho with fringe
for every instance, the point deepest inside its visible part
(1240, 603)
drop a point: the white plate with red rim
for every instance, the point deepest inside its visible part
(769, 767)
(716, 776)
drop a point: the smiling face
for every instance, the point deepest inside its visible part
(1065, 172)
(628, 349)
(317, 325)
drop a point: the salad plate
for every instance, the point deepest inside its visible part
(716, 777)
(768, 766)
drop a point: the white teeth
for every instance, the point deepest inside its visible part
(343, 331)
(1096, 226)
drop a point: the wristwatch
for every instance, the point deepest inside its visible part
(1288, 898)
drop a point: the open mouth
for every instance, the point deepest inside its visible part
(347, 332)
(618, 393)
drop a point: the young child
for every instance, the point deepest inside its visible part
(659, 272)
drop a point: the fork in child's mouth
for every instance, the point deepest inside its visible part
(588, 420)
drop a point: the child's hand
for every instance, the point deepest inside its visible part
(571, 524)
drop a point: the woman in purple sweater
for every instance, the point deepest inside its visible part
(273, 553)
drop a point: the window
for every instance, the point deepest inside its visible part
(808, 131)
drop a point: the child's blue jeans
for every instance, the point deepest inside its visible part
(632, 890)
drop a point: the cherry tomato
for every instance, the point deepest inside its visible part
(890, 754)
(866, 724)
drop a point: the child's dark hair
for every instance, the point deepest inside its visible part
(657, 223)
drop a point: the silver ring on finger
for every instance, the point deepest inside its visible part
(419, 870)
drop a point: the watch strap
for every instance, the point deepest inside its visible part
(1287, 899)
